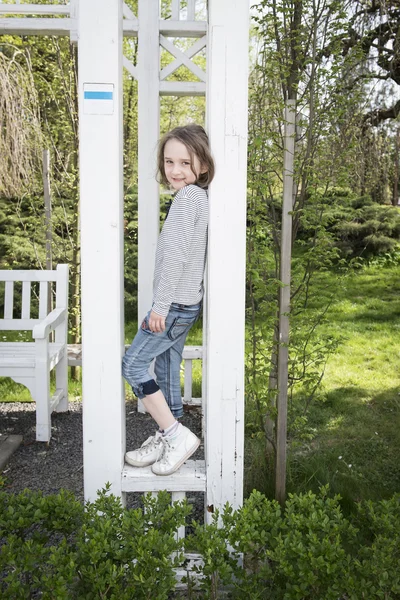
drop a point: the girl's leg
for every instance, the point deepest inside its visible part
(167, 370)
(156, 405)
(165, 453)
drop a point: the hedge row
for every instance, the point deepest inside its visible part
(52, 547)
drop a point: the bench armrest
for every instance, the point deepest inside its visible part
(53, 319)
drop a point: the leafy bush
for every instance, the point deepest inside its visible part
(306, 550)
(362, 227)
(54, 547)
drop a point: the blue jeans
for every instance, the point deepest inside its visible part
(166, 347)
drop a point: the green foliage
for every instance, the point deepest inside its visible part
(377, 565)
(358, 226)
(131, 254)
(55, 547)
(305, 550)
(291, 64)
(217, 566)
(370, 229)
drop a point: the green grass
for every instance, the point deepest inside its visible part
(356, 417)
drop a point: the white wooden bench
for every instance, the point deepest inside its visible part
(30, 363)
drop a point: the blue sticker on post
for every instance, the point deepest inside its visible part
(98, 98)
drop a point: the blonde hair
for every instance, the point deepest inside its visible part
(196, 142)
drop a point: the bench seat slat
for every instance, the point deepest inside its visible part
(22, 354)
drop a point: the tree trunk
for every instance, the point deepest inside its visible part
(284, 300)
(75, 280)
(395, 198)
(47, 214)
(270, 420)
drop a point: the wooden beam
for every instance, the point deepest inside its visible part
(20, 275)
(175, 9)
(191, 477)
(191, 10)
(182, 88)
(34, 9)
(128, 12)
(32, 26)
(130, 27)
(129, 66)
(51, 26)
(227, 108)
(186, 29)
(102, 234)
(148, 134)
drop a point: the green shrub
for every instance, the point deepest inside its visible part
(292, 554)
(377, 566)
(53, 547)
(306, 550)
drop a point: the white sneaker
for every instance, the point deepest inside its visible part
(175, 451)
(148, 452)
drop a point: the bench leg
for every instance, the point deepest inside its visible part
(42, 393)
(62, 383)
(43, 414)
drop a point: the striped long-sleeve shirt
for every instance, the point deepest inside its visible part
(181, 251)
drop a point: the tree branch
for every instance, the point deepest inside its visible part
(374, 117)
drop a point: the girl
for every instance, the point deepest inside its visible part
(186, 165)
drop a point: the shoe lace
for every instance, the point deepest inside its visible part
(147, 446)
(165, 448)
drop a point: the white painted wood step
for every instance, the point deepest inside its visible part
(191, 477)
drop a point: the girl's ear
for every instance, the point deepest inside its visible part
(203, 169)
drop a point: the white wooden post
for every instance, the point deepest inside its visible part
(148, 134)
(101, 193)
(227, 68)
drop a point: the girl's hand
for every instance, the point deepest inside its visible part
(156, 322)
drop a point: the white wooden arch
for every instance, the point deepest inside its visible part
(98, 26)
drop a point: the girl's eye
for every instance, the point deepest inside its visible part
(186, 164)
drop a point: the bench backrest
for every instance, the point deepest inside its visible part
(33, 289)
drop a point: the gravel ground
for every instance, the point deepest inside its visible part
(59, 464)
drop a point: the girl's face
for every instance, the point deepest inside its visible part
(178, 166)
